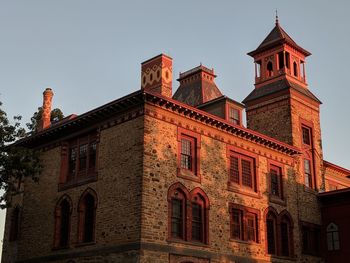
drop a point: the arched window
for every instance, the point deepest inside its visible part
(271, 233)
(14, 227)
(333, 237)
(188, 214)
(286, 234)
(295, 69)
(269, 68)
(62, 222)
(87, 215)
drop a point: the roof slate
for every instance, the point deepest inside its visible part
(277, 86)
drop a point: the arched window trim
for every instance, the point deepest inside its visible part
(81, 215)
(333, 241)
(15, 223)
(279, 218)
(196, 196)
(57, 214)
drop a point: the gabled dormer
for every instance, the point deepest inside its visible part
(277, 57)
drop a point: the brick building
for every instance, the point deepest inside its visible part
(156, 177)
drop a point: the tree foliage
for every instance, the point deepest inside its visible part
(17, 162)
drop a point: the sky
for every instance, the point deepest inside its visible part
(89, 52)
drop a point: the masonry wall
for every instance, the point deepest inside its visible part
(118, 189)
(160, 172)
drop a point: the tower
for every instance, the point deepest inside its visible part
(281, 105)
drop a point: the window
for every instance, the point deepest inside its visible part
(332, 237)
(188, 222)
(62, 222)
(271, 234)
(276, 181)
(234, 116)
(87, 214)
(14, 227)
(279, 233)
(295, 69)
(244, 223)
(269, 68)
(242, 170)
(306, 133)
(311, 238)
(188, 153)
(188, 157)
(79, 159)
(308, 173)
(280, 60)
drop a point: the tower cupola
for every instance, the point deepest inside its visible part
(278, 57)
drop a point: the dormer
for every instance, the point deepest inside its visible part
(277, 57)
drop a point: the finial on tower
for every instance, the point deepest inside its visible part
(277, 23)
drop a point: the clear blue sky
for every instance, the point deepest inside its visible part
(90, 52)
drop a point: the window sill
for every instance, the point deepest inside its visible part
(77, 182)
(313, 254)
(192, 243)
(277, 200)
(292, 258)
(245, 242)
(241, 190)
(86, 244)
(60, 248)
(188, 175)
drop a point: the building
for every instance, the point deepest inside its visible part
(156, 177)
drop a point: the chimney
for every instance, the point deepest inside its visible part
(156, 75)
(45, 121)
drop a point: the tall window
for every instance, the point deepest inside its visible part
(285, 237)
(87, 215)
(242, 170)
(234, 116)
(188, 153)
(14, 227)
(62, 222)
(188, 222)
(311, 238)
(82, 157)
(276, 181)
(178, 214)
(306, 133)
(295, 69)
(332, 237)
(244, 223)
(308, 173)
(271, 234)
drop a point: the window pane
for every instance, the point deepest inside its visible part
(89, 217)
(64, 231)
(234, 171)
(186, 154)
(247, 179)
(251, 227)
(306, 135)
(237, 223)
(92, 155)
(234, 116)
(83, 157)
(330, 241)
(284, 239)
(274, 182)
(271, 245)
(307, 171)
(176, 218)
(197, 222)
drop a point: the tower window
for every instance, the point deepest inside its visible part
(308, 174)
(287, 60)
(258, 69)
(295, 69)
(280, 60)
(269, 68)
(234, 116)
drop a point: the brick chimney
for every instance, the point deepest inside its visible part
(156, 75)
(45, 121)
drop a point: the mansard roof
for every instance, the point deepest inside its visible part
(277, 36)
(103, 117)
(277, 86)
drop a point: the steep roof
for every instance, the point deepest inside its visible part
(277, 86)
(277, 36)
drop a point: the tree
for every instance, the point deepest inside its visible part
(16, 162)
(56, 115)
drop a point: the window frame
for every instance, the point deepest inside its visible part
(247, 156)
(313, 242)
(192, 174)
(244, 213)
(58, 222)
(279, 168)
(330, 239)
(196, 196)
(231, 118)
(88, 174)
